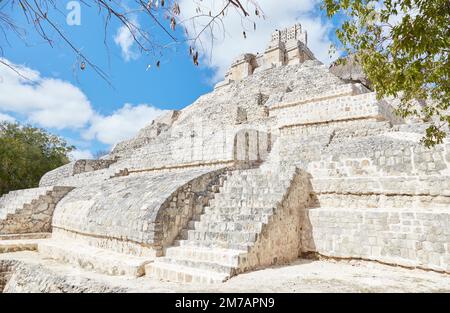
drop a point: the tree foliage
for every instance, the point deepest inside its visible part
(26, 153)
(403, 47)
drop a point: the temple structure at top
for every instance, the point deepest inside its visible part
(287, 46)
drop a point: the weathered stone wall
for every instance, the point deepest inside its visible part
(199, 143)
(379, 193)
(382, 155)
(94, 177)
(279, 240)
(344, 108)
(30, 210)
(175, 148)
(83, 166)
(316, 93)
(431, 189)
(6, 270)
(79, 173)
(371, 148)
(52, 178)
(401, 236)
(252, 145)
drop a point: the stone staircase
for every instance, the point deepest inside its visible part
(234, 234)
(177, 196)
(29, 210)
(13, 200)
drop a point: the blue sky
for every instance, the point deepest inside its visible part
(84, 109)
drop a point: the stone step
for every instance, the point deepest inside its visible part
(234, 210)
(8, 197)
(243, 247)
(17, 203)
(263, 182)
(22, 199)
(16, 245)
(25, 236)
(8, 211)
(248, 189)
(27, 192)
(257, 217)
(405, 185)
(255, 196)
(313, 94)
(256, 173)
(258, 176)
(222, 256)
(222, 227)
(226, 236)
(183, 274)
(256, 187)
(94, 259)
(228, 203)
(215, 267)
(348, 201)
(32, 192)
(250, 226)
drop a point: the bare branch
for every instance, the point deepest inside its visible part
(40, 14)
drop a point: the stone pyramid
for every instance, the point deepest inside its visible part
(282, 159)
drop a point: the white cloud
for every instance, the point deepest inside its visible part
(6, 118)
(124, 39)
(80, 155)
(279, 14)
(121, 124)
(54, 103)
(46, 102)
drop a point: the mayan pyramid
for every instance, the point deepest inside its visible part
(282, 159)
